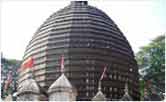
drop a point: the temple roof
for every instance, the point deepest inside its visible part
(99, 97)
(28, 85)
(62, 81)
(84, 34)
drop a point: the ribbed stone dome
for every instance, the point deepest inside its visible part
(89, 40)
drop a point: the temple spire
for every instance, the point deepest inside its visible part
(126, 96)
(99, 95)
(126, 90)
(99, 85)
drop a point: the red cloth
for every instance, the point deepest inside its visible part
(62, 63)
(27, 64)
(103, 74)
(9, 80)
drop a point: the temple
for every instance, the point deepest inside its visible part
(89, 39)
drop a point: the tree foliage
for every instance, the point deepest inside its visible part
(151, 59)
(8, 65)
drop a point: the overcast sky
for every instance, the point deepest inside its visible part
(139, 20)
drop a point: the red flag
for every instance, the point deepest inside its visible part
(62, 63)
(28, 63)
(105, 68)
(9, 80)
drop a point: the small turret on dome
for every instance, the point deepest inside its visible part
(28, 90)
(61, 89)
(29, 85)
(99, 96)
(62, 81)
(126, 96)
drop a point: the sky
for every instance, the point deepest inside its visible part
(139, 20)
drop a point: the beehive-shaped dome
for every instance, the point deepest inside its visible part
(89, 40)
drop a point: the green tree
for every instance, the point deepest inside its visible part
(6, 66)
(151, 61)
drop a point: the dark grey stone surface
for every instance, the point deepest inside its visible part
(89, 40)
